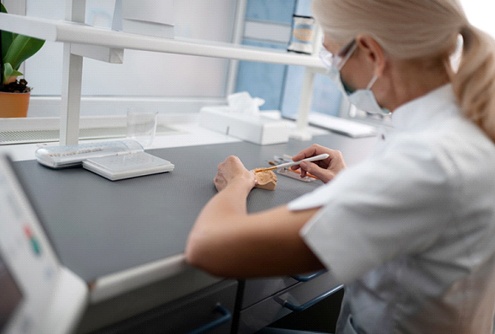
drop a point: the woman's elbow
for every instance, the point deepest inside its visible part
(193, 253)
(199, 256)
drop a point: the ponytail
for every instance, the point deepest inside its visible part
(474, 82)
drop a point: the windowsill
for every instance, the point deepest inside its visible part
(184, 130)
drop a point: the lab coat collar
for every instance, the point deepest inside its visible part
(427, 109)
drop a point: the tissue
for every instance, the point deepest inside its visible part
(243, 103)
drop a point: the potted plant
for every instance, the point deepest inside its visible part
(14, 50)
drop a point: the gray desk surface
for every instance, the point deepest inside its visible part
(101, 227)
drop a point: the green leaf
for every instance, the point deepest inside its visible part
(9, 72)
(22, 48)
(7, 36)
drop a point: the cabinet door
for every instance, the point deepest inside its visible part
(295, 298)
(207, 311)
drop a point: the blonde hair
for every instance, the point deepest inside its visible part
(415, 29)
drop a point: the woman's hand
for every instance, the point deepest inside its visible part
(325, 170)
(222, 238)
(232, 170)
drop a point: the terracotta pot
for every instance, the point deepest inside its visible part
(14, 104)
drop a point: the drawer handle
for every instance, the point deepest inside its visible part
(226, 317)
(299, 308)
(308, 277)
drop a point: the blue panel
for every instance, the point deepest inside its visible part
(292, 92)
(326, 96)
(264, 44)
(279, 11)
(304, 8)
(280, 85)
(261, 79)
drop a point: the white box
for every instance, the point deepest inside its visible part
(145, 17)
(148, 28)
(259, 130)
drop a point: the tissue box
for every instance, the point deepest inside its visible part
(255, 129)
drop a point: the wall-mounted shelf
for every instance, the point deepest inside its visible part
(79, 33)
(81, 40)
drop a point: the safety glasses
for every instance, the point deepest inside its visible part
(337, 60)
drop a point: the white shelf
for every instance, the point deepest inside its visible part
(72, 32)
(81, 40)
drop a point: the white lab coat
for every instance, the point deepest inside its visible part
(411, 231)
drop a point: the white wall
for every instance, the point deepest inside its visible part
(150, 75)
(143, 73)
(480, 14)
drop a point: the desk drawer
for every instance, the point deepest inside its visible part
(207, 311)
(255, 290)
(295, 298)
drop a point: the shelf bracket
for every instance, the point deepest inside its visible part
(72, 80)
(71, 97)
(302, 132)
(101, 53)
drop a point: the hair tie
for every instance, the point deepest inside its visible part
(466, 31)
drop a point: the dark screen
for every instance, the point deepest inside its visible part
(10, 294)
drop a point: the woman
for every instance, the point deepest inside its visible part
(410, 231)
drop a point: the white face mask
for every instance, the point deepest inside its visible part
(363, 99)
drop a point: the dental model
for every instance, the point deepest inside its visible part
(265, 180)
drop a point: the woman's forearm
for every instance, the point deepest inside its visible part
(225, 209)
(227, 241)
